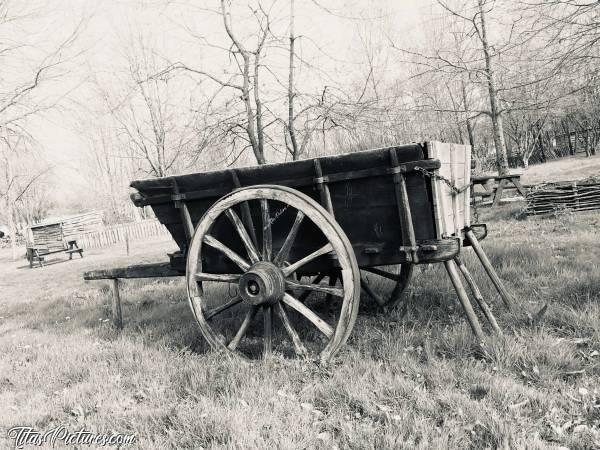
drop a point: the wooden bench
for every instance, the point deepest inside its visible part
(151, 270)
(494, 185)
(39, 252)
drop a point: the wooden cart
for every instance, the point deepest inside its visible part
(294, 243)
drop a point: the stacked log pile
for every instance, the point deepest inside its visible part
(49, 236)
(53, 233)
(82, 223)
(582, 195)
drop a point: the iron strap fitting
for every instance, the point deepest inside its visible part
(410, 251)
(178, 200)
(397, 169)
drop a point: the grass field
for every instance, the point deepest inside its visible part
(419, 382)
(569, 168)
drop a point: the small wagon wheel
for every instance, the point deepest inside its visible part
(389, 296)
(266, 280)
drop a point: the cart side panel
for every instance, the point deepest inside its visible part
(452, 211)
(366, 208)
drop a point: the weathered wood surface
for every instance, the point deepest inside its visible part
(464, 300)
(117, 313)
(452, 210)
(272, 270)
(489, 269)
(150, 270)
(358, 188)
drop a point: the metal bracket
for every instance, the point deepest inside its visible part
(397, 170)
(177, 199)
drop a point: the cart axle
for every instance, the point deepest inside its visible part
(262, 284)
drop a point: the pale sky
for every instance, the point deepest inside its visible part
(111, 23)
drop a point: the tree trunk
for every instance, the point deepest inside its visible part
(291, 130)
(587, 143)
(496, 113)
(469, 123)
(567, 130)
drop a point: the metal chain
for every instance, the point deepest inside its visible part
(435, 176)
(455, 190)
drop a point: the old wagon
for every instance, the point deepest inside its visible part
(294, 243)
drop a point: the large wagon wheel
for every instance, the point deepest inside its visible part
(266, 280)
(389, 294)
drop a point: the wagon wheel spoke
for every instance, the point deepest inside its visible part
(262, 283)
(245, 237)
(309, 314)
(268, 336)
(243, 328)
(233, 256)
(284, 251)
(287, 271)
(338, 292)
(291, 331)
(267, 248)
(222, 278)
(219, 309)
(316, 280)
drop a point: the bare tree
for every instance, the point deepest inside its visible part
(21, 171)
(151, 115)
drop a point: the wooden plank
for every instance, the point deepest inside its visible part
(144, 200)
(152, 270)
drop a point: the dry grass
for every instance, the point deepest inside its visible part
(569, 168)
(414, 383)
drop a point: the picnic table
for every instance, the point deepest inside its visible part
(494, 185)
(39, 252)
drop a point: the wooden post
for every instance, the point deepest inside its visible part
(464, 300)
(487, 265)
(499, 191)
(116, 304)
(477, 294)
(403, 207)
(323, 188)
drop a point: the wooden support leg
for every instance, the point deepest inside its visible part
(116, 304)
(499, 191)
(371, 292)
(464, 300)
(519, 187)
(487, 265)
(477, 294)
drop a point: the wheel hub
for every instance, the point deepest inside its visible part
(264, 283)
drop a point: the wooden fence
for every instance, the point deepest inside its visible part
(113, 234)
(575, 196)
